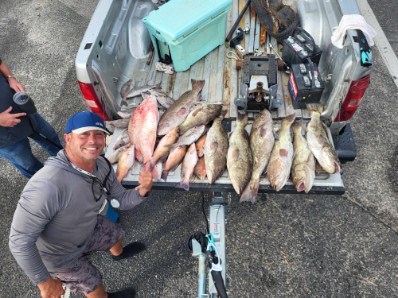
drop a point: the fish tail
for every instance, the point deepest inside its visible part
(164, 175)
(250, 192)
(313, 107)
(184, 184)
(290, 118)
(247, 194)
(197, 84)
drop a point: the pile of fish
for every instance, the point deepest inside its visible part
(189, 133)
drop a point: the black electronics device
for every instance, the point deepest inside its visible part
(299, 47)
(305, 84)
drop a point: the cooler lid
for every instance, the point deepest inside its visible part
(178, 17)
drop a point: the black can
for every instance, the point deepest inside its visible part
(25, 102)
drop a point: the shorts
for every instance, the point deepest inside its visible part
(83, 276)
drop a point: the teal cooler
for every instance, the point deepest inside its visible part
(183, 31)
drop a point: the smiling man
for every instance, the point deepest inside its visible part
(60, 218)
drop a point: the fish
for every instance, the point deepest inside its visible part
(126, 161)
(200, 145)
(261, 143)
(163, 99)
(239, 156)
(124, 114)
(189, 137)
(122, 140)
(303, 168)
(129, 85)
(180, 109)
(215, 150)
(162, 149)
(188, 164)
(139, 90)
(281, 159)
(173, 160)
(142, 131)
(115, 155)
(319, 144)
(203, 114)
(200, 168)
(119, 123)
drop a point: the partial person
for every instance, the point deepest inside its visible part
(16, 127)
(59, 217)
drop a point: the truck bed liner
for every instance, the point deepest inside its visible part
(222, 83)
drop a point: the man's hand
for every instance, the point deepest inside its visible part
(14, 84)
(10, 120)
(51, 288)
(145, 181)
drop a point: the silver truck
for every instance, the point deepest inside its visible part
(117, 47)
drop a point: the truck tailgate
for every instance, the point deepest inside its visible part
(222, 86)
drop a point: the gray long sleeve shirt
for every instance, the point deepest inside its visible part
(57, 213)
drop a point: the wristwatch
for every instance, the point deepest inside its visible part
(10, 76)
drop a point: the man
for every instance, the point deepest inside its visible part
(16, 127)
(58, 218)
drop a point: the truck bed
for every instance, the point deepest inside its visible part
(222, 86)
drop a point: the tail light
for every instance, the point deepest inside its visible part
(92, 100)
(353, 98)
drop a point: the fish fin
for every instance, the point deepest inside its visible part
(263, 131)
(155, 173)
(172, 146)
(183, 184)
(337, 167)
(300, 186)
(181, 112)
(235, 152)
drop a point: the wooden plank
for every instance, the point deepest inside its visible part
(220, 73)
(212, 81)
(181, 84)
(231, 75)
(252, 30)
(207, 74)
(257, 34)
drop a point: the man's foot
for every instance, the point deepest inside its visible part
(126, 293)
(130, 250)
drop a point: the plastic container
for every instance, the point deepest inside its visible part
(183, 31)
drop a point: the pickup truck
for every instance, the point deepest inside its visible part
(117, 47)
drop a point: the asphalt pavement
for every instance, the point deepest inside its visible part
(283, 246)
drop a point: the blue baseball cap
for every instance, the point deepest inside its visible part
(85, 121)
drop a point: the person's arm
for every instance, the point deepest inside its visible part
(34, 211)
(12, 80)
(128, 198)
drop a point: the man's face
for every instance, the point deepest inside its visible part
(86, 146)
